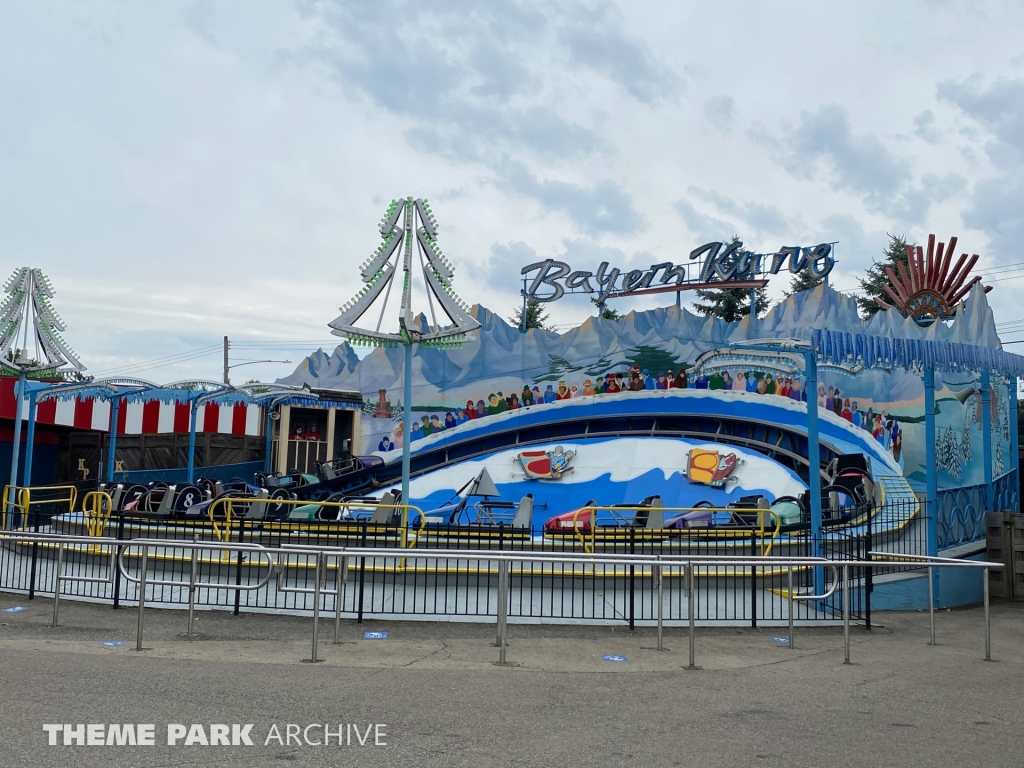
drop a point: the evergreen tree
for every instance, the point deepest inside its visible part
(730, 304)
(536, 317)
(803, 281)
(607, 312)
(873, 286)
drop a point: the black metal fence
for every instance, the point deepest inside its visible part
(452, 585)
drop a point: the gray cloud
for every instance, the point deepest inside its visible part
(594, 38)
(704, 227)
(461, 71)
(924, 126)
(604, 207)
(997, 203)
(999, 109)
(582, 253)
(824, 142)
(859, 162)
(756, 218)
(719, 112)
(505, 257)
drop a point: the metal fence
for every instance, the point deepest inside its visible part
(278, 560)
(443, 575)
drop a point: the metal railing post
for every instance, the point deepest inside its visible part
(931, 604)
(316, 607)
(632, 574)
(502, 609)
(660, 576)
(238, 567)
(341, 578)
(192, 586)
(120, 550)
(691, 611)
(789, 582)
(988, 618)
(35, 555)
(56, 585)
(846, 612)
(142, 595)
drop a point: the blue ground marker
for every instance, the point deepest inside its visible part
(615, 658)
(15, 609)
(375, 636)
(111, 643)
(781, 640)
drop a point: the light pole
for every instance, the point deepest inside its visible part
(228, 366)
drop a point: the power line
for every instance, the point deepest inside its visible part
(160, 362)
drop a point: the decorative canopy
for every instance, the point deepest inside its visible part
(378, 272)
(30, 328)
(926, 288)
(839, 348)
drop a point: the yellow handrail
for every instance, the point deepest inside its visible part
(24, 500)
(96, 507)
(618, 510)
(222, 528)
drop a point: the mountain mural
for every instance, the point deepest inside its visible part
(500, 357)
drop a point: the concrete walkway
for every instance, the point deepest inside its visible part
(445, 703)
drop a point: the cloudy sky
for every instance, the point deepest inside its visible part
(184, 171)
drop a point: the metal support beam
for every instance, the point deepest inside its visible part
(19, 393)
(931, 465)
(1011, 389)
(814, 464)
(30, 439)
(986, 432)
(268, 429)
(193, 410)
(115, 405)
(406, 422)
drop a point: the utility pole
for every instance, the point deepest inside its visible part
(226, 345)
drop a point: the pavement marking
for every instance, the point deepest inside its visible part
(16, 609)
(615, 658)
(375, 636)
(111, 643)
(782, 640)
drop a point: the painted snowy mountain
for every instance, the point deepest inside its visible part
(502, 358)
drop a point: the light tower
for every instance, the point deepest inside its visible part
(30, 341)
(378, 272)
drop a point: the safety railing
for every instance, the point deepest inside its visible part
(586, 520)
(226, 509)
(18, 500)
(96, 508)
(661, 566)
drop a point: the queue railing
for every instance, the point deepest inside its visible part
(277, 558)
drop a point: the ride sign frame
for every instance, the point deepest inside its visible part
(713, 265)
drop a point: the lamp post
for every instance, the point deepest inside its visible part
(378, 273)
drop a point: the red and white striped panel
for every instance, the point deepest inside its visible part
(147, 417)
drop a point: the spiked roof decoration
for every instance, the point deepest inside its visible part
(926, 288)
(30, 328)
(378, 272)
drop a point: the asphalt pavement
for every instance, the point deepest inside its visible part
(430, 694)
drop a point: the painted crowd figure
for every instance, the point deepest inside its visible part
(882, 426)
